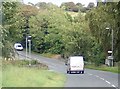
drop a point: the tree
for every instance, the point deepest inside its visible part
(9, 11)
(26, 12)
(69, 6)
(103, 16)
(47, 29)
(41, 5)
(90, 5)
(81, 7)
(118, 35)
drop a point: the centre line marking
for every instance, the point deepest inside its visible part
(96, 76)
(102, 78)
(90, 74)
(113, 86)
(108, 82)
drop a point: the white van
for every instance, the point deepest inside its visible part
(75, 64)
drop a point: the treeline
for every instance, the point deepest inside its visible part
(78, 7)
(55, 31)
(68, 6)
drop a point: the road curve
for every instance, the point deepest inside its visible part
(91, 78)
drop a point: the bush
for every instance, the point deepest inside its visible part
(34, 62)
(24, 63)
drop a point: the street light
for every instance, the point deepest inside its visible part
(26, 47)
(29, 40)
(112, 44)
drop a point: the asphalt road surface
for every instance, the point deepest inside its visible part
(91, 78)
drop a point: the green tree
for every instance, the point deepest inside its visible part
(8, 20)
(47, 29)
(104, 15)
(118, 35)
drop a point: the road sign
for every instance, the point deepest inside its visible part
(110, 57)
(109, 51)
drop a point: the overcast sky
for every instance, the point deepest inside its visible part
(58, 2)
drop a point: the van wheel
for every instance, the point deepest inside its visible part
(67, 72)
(79, 72)
(82, 72)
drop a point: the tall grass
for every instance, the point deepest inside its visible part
(15, 76)
(0, 73)
(49, 55)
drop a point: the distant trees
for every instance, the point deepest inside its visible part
(41, 5)
(90, 5)
(70, 6)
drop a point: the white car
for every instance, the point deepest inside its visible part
(18, 46)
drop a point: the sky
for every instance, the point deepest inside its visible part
(58, 2)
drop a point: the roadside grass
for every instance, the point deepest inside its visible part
(49, 55)
(16, 76)
(104, 68)
(0, 73)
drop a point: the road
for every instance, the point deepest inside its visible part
(91, 78)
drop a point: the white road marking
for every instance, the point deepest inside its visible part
(113, 86)
(102, 78)
(107, 82)
(96, 76)
(90, 74)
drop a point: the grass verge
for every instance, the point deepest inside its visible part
(48, 55)
(16, 76)
(0, 73)
(103, 68)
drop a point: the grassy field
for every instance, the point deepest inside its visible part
(15, 76)
(103, 68)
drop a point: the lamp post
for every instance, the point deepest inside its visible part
(29, 40)
(26, 47)
(111, 45)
